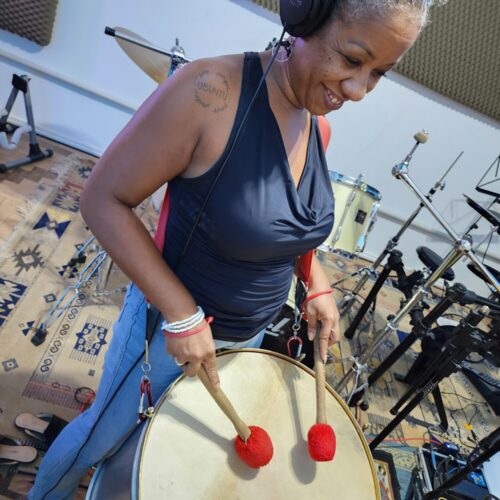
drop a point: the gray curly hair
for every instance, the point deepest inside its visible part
(355, 10)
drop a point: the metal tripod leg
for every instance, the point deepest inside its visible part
(66, 298)
(351, 330)
(453, 256)
(440, 308)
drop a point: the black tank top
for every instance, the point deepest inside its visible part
(240, 261)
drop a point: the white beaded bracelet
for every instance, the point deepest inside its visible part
(185, 324)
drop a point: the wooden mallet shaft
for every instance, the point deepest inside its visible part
(319, 369)
(225, 405)
(321, 440)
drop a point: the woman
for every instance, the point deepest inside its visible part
(271, 204)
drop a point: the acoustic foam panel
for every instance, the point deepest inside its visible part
(31, 19)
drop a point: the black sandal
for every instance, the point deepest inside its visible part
(44, 426)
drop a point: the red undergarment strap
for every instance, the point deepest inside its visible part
(304, 268)
(161, 228)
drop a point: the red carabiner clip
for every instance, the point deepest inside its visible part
(295, 338)
(145, 390)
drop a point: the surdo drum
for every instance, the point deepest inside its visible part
(186, 450)
(356, 205)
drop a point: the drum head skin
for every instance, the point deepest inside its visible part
(187, 451)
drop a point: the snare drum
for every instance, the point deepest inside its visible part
(356, 205)
(186, 450)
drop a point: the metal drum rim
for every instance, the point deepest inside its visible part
(144, 434)
(351, 181)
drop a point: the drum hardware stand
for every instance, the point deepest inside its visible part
(491, 445)
(100, 266)
(351, 297)
(461, 343)
(457, 293)
(20, 83)
(176, 54)
(401, 172)
(461, 247)
(70, 293)
(405, 284)
(391, 326)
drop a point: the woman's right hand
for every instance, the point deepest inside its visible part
(193, 352)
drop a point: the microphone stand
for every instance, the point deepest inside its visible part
(351, 297)
(461, 343)
(461, 247)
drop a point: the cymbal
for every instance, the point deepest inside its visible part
(154, 64)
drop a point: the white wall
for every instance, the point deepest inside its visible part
(84, 89)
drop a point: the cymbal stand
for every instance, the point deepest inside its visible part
(462, 342)
(462, 247)
(401, 172)
(351, 297)
(176, 54)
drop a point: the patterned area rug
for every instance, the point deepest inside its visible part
(41, 231)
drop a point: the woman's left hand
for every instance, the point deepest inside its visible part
(323, 309)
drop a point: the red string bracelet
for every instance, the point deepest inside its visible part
(314, 295)
(206, 322)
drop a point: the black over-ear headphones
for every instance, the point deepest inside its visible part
(304, 17)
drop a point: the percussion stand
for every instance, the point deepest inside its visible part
(421, 327)
(461, 247)
(351, 297)
(462, 342)
(94, 268)
(176, 54)
(457, 293)
(405, 283)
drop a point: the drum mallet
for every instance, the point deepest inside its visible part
(320, 438)
(253, 444)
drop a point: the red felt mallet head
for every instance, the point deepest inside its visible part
(321, 439)
(321, 442)
(253, 444)
(257, 451)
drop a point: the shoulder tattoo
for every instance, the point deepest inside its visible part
(211, 91)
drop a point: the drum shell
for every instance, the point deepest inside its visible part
(356, 205)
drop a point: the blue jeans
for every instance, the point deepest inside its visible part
(99, 431)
